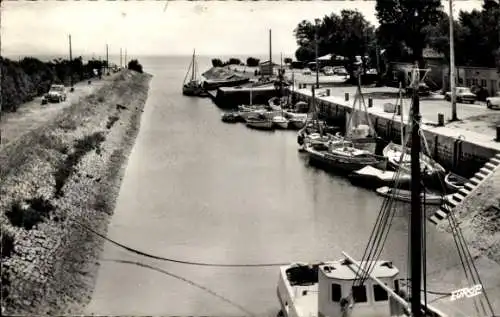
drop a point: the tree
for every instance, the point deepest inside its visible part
(234, 61)
(135, 66)
(253, 62)
(405, 21)
(216, 62)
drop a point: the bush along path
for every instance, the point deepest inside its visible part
(70, 168)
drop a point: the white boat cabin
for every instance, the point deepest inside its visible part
(323, 290)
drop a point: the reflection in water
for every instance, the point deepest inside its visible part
(162, 271)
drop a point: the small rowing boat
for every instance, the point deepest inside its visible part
(405, 195)
(454, 181)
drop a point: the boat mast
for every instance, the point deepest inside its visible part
(416, 210)
(402, 120)
(192, 63)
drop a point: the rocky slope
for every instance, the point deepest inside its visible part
(54, 180)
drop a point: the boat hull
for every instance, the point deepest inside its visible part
(405, 196)
(260, 125)
(341, 163)
(193, 91)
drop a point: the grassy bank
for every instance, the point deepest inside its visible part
(65, 171)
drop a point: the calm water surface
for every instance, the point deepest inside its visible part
(197, 189)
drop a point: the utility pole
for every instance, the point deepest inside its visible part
(453, 75)
(316, 51)
(121, 63)
(70, 63)
(107, 60)
(125, 61)
(271, 53)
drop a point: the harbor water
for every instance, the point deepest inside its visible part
(197, 189)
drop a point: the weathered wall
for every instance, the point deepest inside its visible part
(52, 266)
(461, 156)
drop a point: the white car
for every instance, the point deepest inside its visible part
(56, 93)
(306, 71)
(463, 94)
(493, 102)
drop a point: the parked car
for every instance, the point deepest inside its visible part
(423, 90)
(328, 70)
(56, 93)
(493, 102)
(463, 94)
(306, 71)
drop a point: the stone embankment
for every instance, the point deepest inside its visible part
(64, 173)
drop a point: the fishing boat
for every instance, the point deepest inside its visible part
(454, 182)
(405, 195)
(258, 121)
(371, 287)
(280, 122)
(192, 87)
(342, 156)
(397, 159)
(371, 177)
(231, 117)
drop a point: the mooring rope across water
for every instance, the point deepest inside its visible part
(156, 257)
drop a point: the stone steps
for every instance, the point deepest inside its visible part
(452, 201)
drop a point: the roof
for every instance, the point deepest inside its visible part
(343, 271)
(267, 62)
(431, 53)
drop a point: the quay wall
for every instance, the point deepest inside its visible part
(230, 98)
(459, 155)
(56, 178)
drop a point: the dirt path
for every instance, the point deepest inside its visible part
(33, 114)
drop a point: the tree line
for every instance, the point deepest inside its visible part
(406, 28)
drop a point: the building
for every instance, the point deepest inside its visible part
(475, 77)
(266, 69)
(401, 71)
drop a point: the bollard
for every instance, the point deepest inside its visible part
(346, 96)
(370, 102)
(328, 92)
(441, 120)
(498, 133)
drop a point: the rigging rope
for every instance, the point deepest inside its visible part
(461, 244)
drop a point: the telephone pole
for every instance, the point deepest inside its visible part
(453, 75)
(107, 60)
(70, 62)
(125, 61)
(316, 51)
(121, 63)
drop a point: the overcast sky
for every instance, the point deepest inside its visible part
(147, 28)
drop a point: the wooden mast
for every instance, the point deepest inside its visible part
(416, 208)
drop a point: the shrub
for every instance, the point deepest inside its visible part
(111, 121)
(252, 62)
(134, 65)
(27, 217)
(287, 60)
(67, 167)
(233, 61)
(216, 62)
(7, 244)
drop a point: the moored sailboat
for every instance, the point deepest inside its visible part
(193, 86)
(370, 287)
